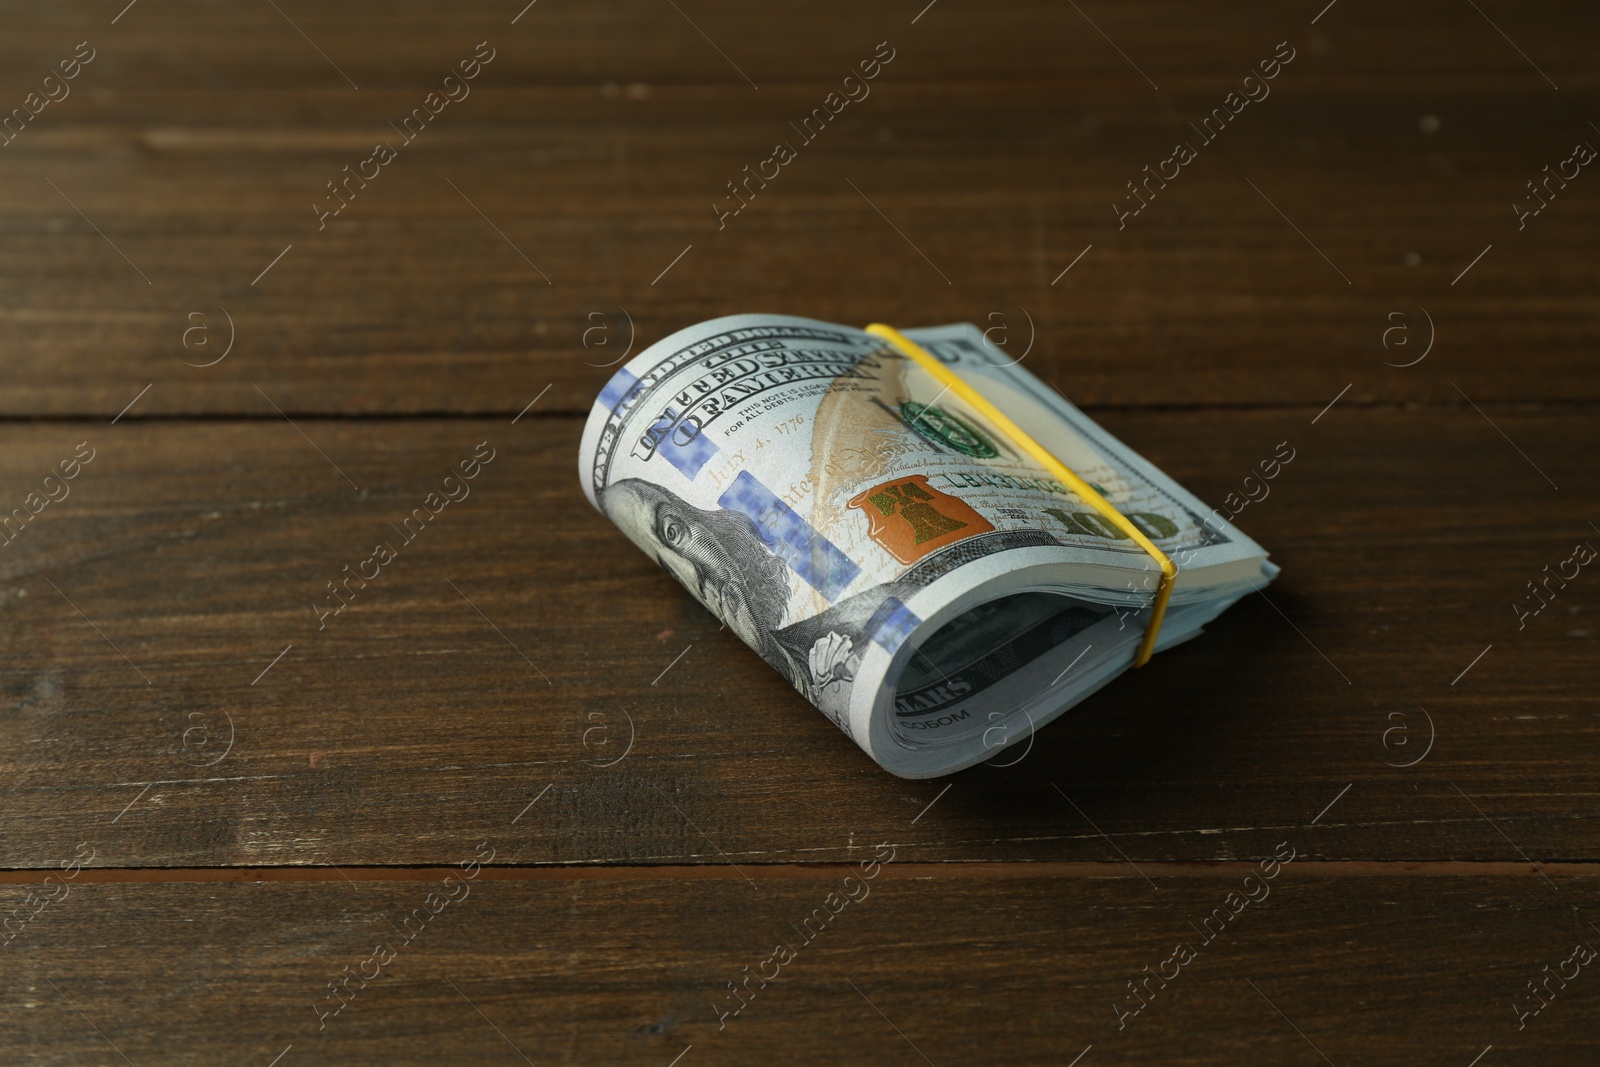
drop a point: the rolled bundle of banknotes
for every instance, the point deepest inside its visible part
(917, 576)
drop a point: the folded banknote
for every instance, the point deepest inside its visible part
(916, 575)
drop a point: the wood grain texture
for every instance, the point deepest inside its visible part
(1381, 970)
(599, 137)
(520, 625)
(264, 795)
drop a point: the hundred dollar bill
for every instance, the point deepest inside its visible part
(927, 585)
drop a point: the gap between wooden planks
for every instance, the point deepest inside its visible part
(808, 871)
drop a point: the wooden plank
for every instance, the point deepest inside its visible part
(490, 674)
(945, 969)
(600, 136)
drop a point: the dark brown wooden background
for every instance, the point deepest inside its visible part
(257, 824)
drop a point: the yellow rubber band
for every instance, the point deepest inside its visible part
(1020, 437)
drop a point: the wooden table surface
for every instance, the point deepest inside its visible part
(522, 801)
